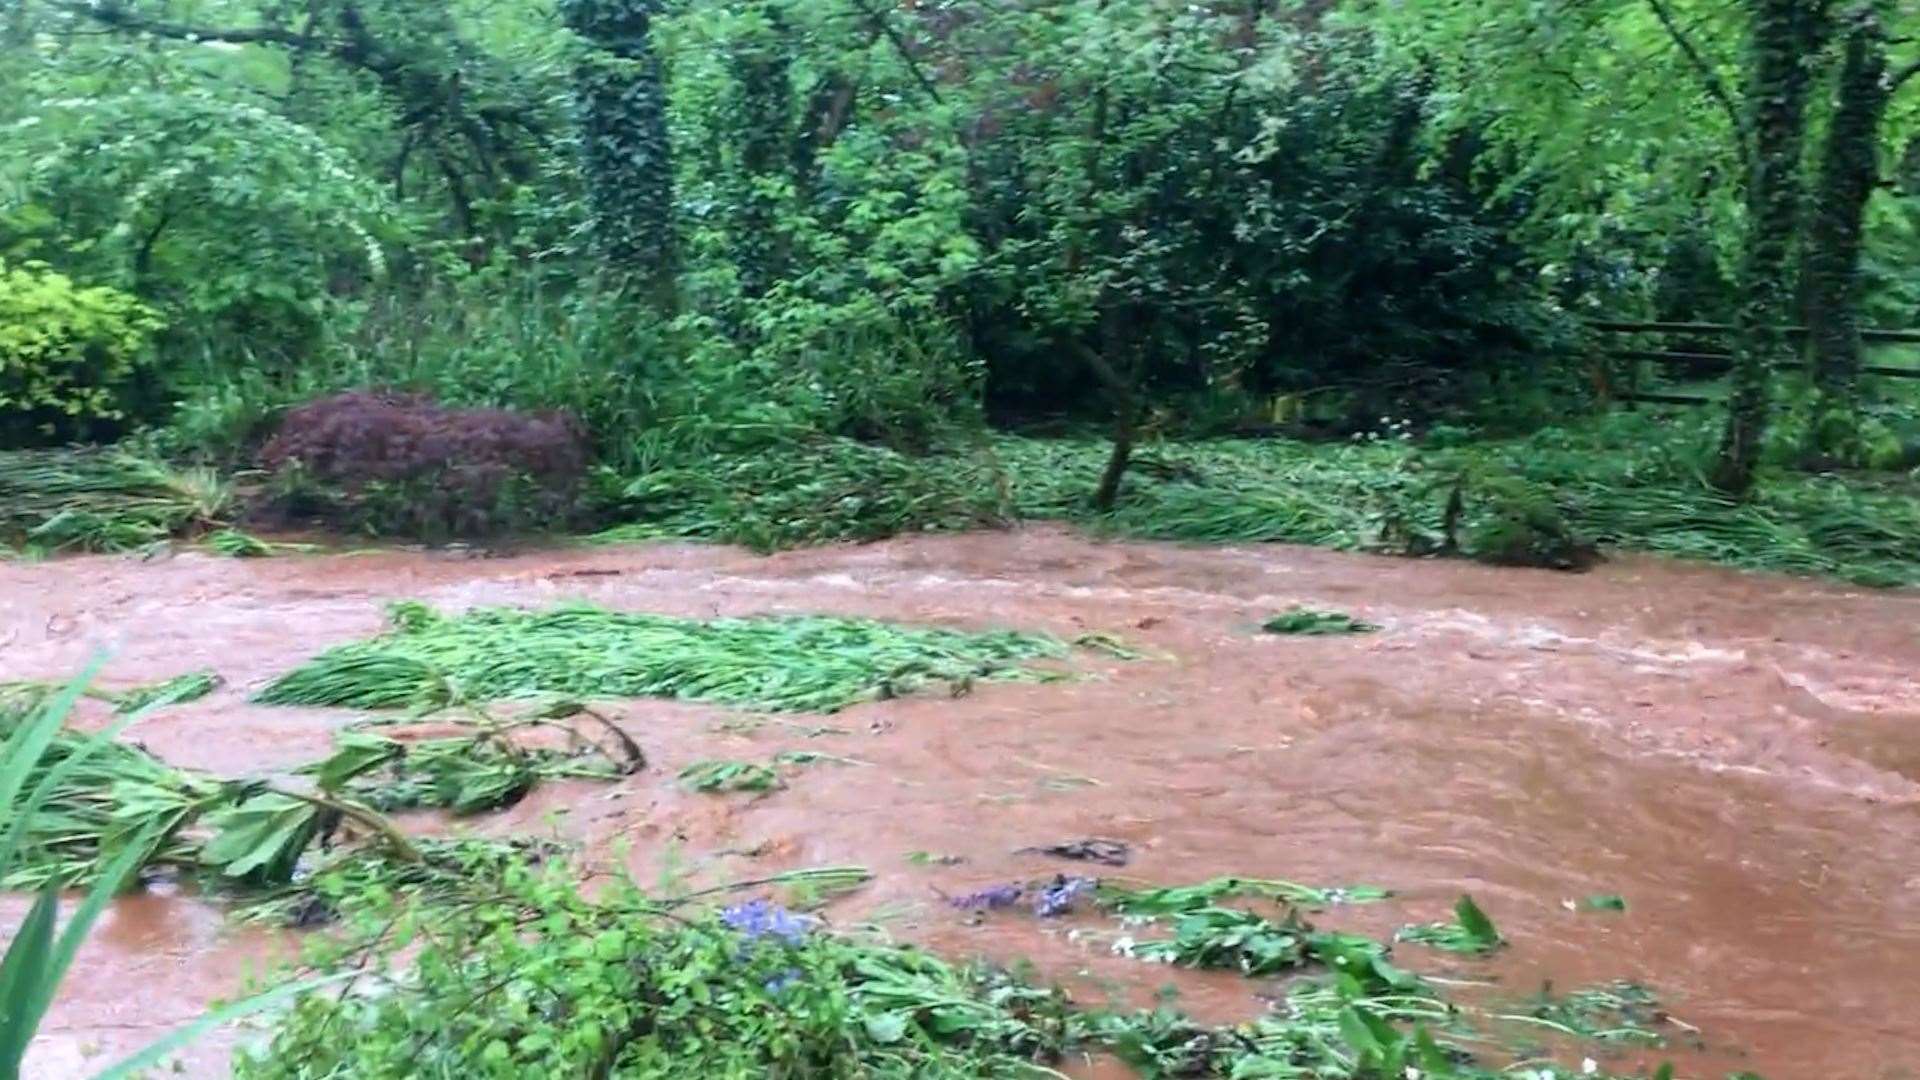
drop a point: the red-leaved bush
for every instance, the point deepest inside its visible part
(402, 463)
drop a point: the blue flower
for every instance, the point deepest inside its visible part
(1058, 898)
(783, 980)
(759, 919)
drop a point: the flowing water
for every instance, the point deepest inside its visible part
(1738, 756)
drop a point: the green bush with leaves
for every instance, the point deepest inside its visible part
(68, 355)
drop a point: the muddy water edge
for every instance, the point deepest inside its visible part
(1737, 756)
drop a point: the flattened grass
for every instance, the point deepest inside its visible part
(784, 664)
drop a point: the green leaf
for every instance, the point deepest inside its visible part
(1475, 922)
(24, 973)
(886, 1028)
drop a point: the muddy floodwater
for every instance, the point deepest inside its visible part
(1737, 756)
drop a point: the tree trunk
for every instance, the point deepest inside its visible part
(626, 155)
(1830, 265)
(1785, 37)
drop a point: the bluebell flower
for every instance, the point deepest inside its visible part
(783, 980)
(758, 919)
(1058, 898)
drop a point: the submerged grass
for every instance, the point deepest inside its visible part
(799, 664)
(101, 500)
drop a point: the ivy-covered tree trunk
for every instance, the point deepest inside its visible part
(762, 68)
(1830, 266)
(625, 152)
(1784, 38)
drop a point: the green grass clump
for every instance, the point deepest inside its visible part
(717, 775)
(806, 493)
(1307, 622)
(101, 500)
(795, 664)
(1471, 931)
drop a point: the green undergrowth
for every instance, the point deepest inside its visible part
(800, 664)
(805, 492)
(530, 976)
(1632, 481)
(108, 499)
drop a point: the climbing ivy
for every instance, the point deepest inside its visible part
(620, 103)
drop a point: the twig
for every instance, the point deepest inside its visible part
(900, 46)
(1708, 78)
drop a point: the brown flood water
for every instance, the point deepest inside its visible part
(1738, 756)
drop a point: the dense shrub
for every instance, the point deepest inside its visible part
(67, 355)
(400, 463)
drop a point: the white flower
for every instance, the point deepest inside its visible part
(1589, 1067)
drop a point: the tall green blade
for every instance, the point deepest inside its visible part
(153, 1053)
(105, 888)
(31, 739)
(23, 975)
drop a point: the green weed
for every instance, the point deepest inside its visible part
(1470, 932)
(715, 775)
(1308, 622)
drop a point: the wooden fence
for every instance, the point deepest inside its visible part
(1705, 364)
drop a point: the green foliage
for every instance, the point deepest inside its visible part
(1630, 481)
(486, 770)
(626, 158)
(808, 664)
(538, 980)
(1308, 622)
(178, 690)
(230, 216)
(37, 757)
(1470, 932)
(809, 492)
(68, 354)
(1511, 521)
(730, 776)
(1211, 937)
(102, 500)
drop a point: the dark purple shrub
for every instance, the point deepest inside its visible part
(402, 463)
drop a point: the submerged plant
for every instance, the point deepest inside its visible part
(718, 775)
(1306, 621)
(1470, 932)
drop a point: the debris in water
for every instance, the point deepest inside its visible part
(1105, 852)
(1058, 897)
(1308, 622)
(1470, 932)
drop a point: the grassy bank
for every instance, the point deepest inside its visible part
(1625, 482)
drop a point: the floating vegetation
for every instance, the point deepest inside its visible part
(100, 796)
(1308, 622)
(101, 500)
(1470, 932)
(1174, 899)
(716, 775)
(797, 664)
(175, 691)
(487, 770)
(1622, 1012)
